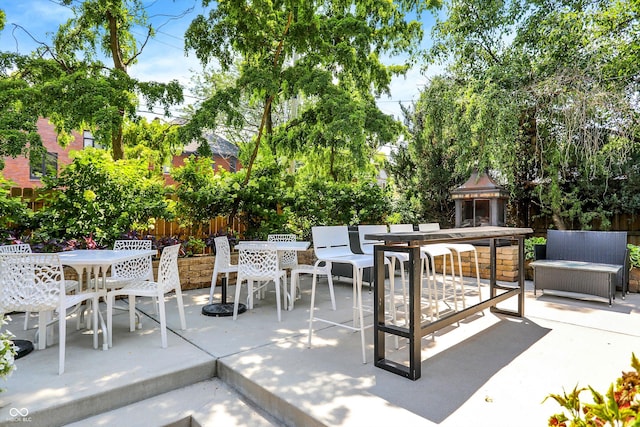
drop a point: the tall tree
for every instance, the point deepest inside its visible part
(68, 82)
(547, 107)
(322, 56)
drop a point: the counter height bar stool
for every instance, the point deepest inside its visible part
(458, 248)
(331, 244)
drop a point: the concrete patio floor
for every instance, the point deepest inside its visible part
(490, 370)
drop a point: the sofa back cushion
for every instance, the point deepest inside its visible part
(605, 247)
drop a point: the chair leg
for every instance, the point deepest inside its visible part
(333, 297)
(276, 282)
(214, 279)
(163, 322)
(292, 290)
(311, 309)
(360, 315)
(62, 333)
(237, 298)
(110, 299)
(183, 322)
(132, 313)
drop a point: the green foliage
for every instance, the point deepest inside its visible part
(634, 255)
(67, 82)
(327, 203)
(525, 94)
(202, 194)
(618, 407)
(530, 244)
(96, 196)
(14, 213)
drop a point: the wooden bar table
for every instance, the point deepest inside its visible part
(409, 242)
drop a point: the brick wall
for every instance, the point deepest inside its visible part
(17, 170)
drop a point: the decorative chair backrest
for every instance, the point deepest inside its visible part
(223, 251)
(138, 268)
(168, 275)
(365, 244)
(30, 282)
(400, 228)
(258, 261)
(432, 226)
(20, 248)
(331, 241)
(288, 259)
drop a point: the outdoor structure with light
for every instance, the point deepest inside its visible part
(480, 201)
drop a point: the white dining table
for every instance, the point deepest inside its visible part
(96, 262)
(299, 245)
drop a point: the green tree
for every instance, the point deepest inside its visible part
(544, 106)
(320, 58)
(68, 82)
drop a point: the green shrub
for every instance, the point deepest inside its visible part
(529, 245)
(98, 197)
(634, 255)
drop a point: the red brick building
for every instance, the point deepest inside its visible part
(27, 174)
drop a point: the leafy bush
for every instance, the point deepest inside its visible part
(619, 407)
(634, 255)
(529, 245)
(98, 197)
(14, 214)
(202, 194)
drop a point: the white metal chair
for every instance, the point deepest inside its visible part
(34, 282)
(259, 262)
(331, 244)
(25, 248)
(458, 248)
(288, 259)
(222, 263)
(132, 270)
(168, 281)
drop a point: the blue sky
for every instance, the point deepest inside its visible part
(163, 58)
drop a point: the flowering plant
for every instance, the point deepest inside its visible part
(620, 407)
(7, 352)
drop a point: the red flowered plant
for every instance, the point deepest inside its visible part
(619, 407)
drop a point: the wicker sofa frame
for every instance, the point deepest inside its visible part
(585, 262)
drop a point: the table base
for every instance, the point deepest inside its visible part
(222, 309)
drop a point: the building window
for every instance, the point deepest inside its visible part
(43, 164)
(232, 165)
(87, 139)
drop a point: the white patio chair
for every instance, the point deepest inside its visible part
(458, 248)
(222, 263)
(288, 259)
(34, 282)
(331, 244)
(259, 262)
(132, 270)
(25, 248)
(168, 281)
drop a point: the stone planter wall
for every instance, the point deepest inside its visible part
(195, 272)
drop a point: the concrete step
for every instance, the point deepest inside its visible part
(205, 403)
